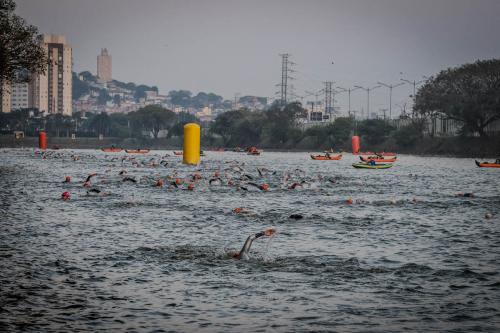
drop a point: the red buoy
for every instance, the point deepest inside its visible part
(355, 144)
(42, 140)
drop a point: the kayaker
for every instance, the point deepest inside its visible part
(372, 162)
(248, 243)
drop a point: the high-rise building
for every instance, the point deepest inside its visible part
(20, 96)
(5, 98)
(52, 92)
(104, 66)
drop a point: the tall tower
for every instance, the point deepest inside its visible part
(328, 98)
(104, 66)
(286, 69)
(52, 92)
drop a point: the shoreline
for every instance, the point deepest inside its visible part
(472, 150)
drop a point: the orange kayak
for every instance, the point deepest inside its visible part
(137, 151)
(487, 165)
(377, 159)
(111, 150)
(326, 158)
(385, 154)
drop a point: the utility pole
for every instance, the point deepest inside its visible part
(348, 90)
(414, 83)
(286, 69)
(368, 98)
(390, 86)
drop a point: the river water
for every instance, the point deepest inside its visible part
(407, 255)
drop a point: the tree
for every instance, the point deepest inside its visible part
(152, 118)
(100, 123)
(117, 100)
(20, 47)
(375, 131)
(103, 97)
(182, 118)
(468, 93)
(180, 97)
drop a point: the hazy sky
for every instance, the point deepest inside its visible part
(229, 47)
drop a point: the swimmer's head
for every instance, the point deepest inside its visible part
(264, 187)
(67, 179)
(190, 187)
(269, 231)
(65, 196)
(159, 183)
(349, 201)
(238, 210)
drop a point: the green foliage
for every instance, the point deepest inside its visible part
(375, 131)
(103, 97)
(408, 136)
(20, 47)
(117, 100)
(186, 99)
(182, 119)
(468, 93)
(101, 124)
(80, 88)
(180, 97)
(153, 119)
(140, 91)
(87, 76)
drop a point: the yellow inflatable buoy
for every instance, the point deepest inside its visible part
(191, 151)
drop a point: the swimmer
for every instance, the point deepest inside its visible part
(248, 243)
(215, 181)
(87, 181)
(129, 179)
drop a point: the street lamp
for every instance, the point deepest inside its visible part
(390, 86)
(415, 83)
(349, 93)
(368, 97)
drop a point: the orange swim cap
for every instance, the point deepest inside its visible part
(349, 201)
(178, 181)
(264, 187)
(238, 210)
(190, 187)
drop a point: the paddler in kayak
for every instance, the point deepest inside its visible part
(248, 243)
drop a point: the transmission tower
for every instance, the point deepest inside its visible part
(328, 98)
(286, 69)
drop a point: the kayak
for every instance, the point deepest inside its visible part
(385, 154)
(368, 166)
(178, 153)
(111, 150)
(137, 151)
(325, 158)
(487, 165)
(377, 159)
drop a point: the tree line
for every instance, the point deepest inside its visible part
(145, 122)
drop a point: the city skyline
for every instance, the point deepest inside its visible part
(186, 45)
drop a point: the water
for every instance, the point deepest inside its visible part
(408, 255)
